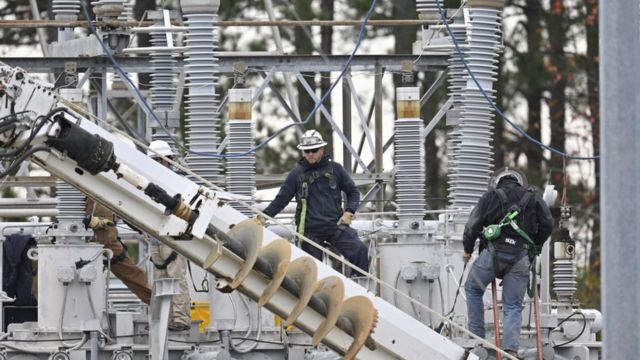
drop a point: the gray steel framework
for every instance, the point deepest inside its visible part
(266, 66)
(298, 63)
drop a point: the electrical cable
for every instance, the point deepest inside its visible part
(441, 293)
(584, 326)
(448, 316)
(180, 341)
(256, 340)
(272, 342)
(12, 115)
(567, 318)
(250, 327)
(204, 285)
(413, 306)
(3, 341)
(21, 158)
(118, 117)
(494, 106)
(61, 322)
(34, 131)
(150, 112)
(194, 342)
(455, 299)
(91, 305)
(109, 254)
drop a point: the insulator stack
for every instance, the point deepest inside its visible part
(108, 10)
(564, 278)
(241, 177)
(409, 157)
(564, 264)
(71, 203)
(427, 8)
(65, 10)
(127, 12)
(201, 75)
(163, 87)
(125, 15)
(457, 84)
(474, 163)
(163, 84)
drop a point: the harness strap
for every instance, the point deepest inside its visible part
(171, 258)
(115, 259)
(303, 191)
(303, 216)
(504, 200)
(509, 219)
(327, 171)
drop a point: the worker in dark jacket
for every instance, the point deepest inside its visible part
(317, 184)
(507, 254)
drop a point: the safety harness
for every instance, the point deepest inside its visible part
(499, 241)
(171, 258)
(87, 221)
(307, 178)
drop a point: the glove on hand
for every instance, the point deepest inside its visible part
(346, 218)
(97, 223)
(466, 257)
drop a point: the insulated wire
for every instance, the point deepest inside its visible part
(584, 326)
(33, 132)
(62, 311)
(495, 107)
(246, 338)
(21, 158)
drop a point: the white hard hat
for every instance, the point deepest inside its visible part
(159, 148)
(510, 172)
(311, 139)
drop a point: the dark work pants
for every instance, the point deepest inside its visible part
(348, 244)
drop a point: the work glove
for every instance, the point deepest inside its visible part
(466, 257)
(96, 223)
(346, 218)
(260, 220)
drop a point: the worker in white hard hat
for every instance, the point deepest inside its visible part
(159, 148)
(167, 262)
(317, 184)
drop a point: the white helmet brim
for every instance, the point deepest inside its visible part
(311, 147)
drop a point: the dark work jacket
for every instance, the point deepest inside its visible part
(536, 220)
(322, 211)
(17, 272)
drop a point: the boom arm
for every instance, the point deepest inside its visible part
(201, 225)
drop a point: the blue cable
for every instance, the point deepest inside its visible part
(124, 75)
(262, 144)
(495, 107)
